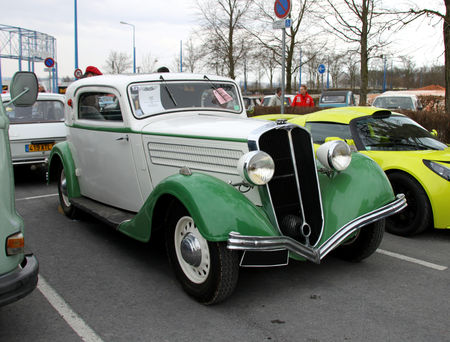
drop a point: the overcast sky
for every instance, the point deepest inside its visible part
(160, 26)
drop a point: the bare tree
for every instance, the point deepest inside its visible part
(223, 35)
(117, 62)
(295, 35)
(192, 56)
(416, 12)
(148, 63)
(351, 65)
(362, 23)
(266, 62)
(335, 62)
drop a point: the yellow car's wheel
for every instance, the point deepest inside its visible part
(417, 216)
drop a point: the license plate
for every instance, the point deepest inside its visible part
(38, 147)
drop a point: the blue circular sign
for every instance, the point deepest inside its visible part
(282, 8)
(49, 62)
(321, 69)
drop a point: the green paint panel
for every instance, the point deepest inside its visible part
(61, 151)
(10, 221)
(361, 188)
(216, 207)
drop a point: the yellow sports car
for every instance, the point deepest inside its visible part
(416, 163)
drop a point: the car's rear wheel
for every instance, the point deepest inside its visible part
(363, 244)
(416, 217)
(207, 270)
(67, 207)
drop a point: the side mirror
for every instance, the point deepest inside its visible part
(24, 88)
(434, 133)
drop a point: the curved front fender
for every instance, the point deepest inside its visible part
(361, 188)
(61, 154)
(216, 207)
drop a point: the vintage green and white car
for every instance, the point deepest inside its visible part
(176, 154)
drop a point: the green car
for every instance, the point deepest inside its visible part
(18, 272)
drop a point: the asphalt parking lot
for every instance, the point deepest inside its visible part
(98, 285)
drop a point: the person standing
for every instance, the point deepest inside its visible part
(276, 99)
(303, 99)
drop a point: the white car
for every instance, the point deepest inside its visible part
(287, 99)
(392, 100)
(175, 157)
(34, 130)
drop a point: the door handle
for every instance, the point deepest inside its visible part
(123, 138)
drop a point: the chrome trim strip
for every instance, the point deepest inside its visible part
(269, 243)
(297, 182)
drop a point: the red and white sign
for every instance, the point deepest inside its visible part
(78, 73)
(282, 8)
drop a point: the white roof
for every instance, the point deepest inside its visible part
(124, 80)
(41, 96)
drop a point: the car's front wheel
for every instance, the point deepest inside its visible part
(207, 270)
(363, 244)
(417, 216)
(67, 207)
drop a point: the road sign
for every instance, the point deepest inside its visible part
(281, 24)
(282, 8)
(78, 73)
(49, 62)
(48, 69)
(321, 69)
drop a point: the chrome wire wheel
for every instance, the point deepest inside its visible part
(192, 250)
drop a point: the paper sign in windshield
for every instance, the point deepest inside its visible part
(222, 96)
(149, 99)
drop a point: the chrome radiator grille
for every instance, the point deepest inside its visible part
(294, 190)
(195, 157)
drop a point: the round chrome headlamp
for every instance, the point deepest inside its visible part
(335, 155)
(256, 167)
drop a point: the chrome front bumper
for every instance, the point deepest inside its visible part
(271, 243)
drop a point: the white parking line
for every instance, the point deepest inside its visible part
(71, 317)
(35, 197)
(413, 260)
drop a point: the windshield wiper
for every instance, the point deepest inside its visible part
(210, 82)
(168, 91)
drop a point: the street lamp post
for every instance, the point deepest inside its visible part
(76, 33)
(134, 45)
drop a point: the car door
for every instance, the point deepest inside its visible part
(102, 142)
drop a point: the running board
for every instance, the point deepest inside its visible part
(105, 213)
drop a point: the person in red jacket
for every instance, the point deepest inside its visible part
(303, 99)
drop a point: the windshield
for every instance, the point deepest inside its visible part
(394, 133)
(158, 97)
(394, 102)
(333, 99)
(40, 111)
(322, 130)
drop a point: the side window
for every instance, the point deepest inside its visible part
(99, 106)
